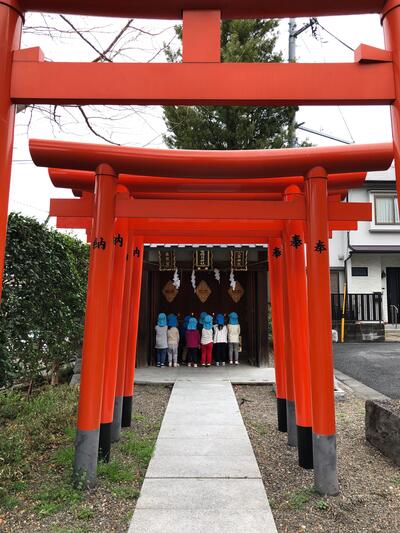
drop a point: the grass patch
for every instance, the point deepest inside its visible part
(18, 486)
(114, 472)
(56, 497)
(139, 449)
(64, 456)
(85, 513)
(46, 508)
(322, 504)
(299, 498)
(31, 427)
(7, 501)
(125, 493)
(260, 429)
(58, 529)
(36, 456)
(10, 405)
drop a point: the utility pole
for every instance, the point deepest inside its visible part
(293, 34)
(292, 59)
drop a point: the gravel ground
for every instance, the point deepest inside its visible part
(110, 506)
(369, 500)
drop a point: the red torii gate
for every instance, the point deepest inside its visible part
(202, 79)
(312, 208)
(299, 411)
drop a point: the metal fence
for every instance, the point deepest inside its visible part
(359, 307)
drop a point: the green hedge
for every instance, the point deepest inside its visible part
(44, 294)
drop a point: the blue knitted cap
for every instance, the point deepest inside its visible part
(233, 319)
(220, 319)
(192, 324)
(203, 315)
(172, 320)
(208, 320)
(162, 320)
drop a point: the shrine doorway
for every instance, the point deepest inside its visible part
(213, 294)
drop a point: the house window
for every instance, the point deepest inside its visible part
(386, 209)
(359, 271)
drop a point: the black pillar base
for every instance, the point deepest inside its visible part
(282, 414)
(305, 447)
(291, 423)
(126, 412)
(105, 443)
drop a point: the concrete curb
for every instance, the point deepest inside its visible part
(359, 389)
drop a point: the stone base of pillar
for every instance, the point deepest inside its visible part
(325, 472)
(116, 423)
(86, 453)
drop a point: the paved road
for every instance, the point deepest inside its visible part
(376, 365)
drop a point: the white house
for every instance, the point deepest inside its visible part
(368, 260)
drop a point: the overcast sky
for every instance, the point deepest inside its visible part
(30, 186)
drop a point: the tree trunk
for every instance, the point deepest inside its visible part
(54, 374)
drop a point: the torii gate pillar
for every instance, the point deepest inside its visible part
(129, 382)
(123, 343)
(96, 322)
(278, 328)
(293, 249)
(10, 35)
(391, 28)
(320, 322)
(115, 318)
(290, 398)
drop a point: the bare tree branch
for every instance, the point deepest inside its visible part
(86, 119)
(124, 42)
(64, 18)
(161, 49)
(113, 42)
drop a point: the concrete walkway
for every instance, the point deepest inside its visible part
(236, 374)
(203, 477)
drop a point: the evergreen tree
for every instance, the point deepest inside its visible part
(235, 127)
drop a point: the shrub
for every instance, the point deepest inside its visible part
(44, 294)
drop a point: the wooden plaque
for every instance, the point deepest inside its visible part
(203, 291)
(236, 294)
(170, 291)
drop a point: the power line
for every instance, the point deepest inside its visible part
(30, 206)
(345, 123)
(317, 22)
(322, 134)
